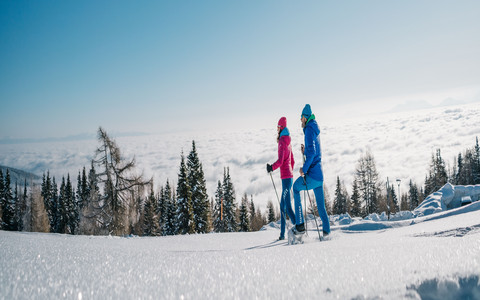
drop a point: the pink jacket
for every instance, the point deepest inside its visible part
(285, 157)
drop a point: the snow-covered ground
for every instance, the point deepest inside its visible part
(436, 256)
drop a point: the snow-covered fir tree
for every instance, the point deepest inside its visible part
(150, 218)
(356, 204)
(185, 216)
(368, 183)
(437, 176)
(467, 170)
(340, 203)
(169, 217)
(50, 196)
(2, 198)
(24, 207)
(270, 212)
(68, 208)
(91, 211)
(218, 215)
(83, 191)
(413, 195)
(476, 163)
(252, 212)
(229, 202)
(391, 201)
(244, 217)
(198, 186)
(19, 210)
(9, 205)
(161, 209)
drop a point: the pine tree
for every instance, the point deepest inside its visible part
(122, 191)
(229, 203)
(92, 213)
(395, 207)
(218, 213)
(356, 210)
(18, 224)
(252, 211)
(270, 212)
(169, 217)
(244, 216)
(476, 163)
(72, 213)
(185, 216)
(55, 205)
(2, 198)
(437, 175)
(150, 220)
(23, 207)
(9, 207)
(3, 202)
(62, 208)
(368, 183)
(469, 167)
(460, 175)
(340, 202)
(197, 184)
(50, 200)
(413, 195)
(161, 209)
(83, 191)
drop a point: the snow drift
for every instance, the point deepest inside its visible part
(448, 197)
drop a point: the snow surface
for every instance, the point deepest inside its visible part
(435, 256)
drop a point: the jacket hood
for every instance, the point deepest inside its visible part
(313, 125)
(285, 132)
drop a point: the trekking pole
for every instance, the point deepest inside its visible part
(311, 205)
(305, 202)
(282, 214)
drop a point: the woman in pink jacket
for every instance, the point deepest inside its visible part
(285, 162)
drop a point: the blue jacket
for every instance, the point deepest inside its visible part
(313, 161)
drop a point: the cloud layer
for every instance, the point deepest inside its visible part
(401, 143)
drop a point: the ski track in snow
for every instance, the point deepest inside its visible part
(399, 260)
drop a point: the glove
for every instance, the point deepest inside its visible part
(269, 168)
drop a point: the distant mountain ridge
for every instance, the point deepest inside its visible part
(19, 176)
(71, 138)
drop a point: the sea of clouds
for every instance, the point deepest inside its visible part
(402, 145)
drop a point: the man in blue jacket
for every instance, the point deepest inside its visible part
(311, 172)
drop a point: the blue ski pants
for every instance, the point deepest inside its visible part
(286, 204)
(317, 187)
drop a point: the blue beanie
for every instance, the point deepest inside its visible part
(307, 111)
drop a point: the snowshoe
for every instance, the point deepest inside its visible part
(296, 234)
(325, 236)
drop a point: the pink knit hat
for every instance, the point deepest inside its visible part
(282, 123)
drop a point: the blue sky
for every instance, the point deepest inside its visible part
(68, 67)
